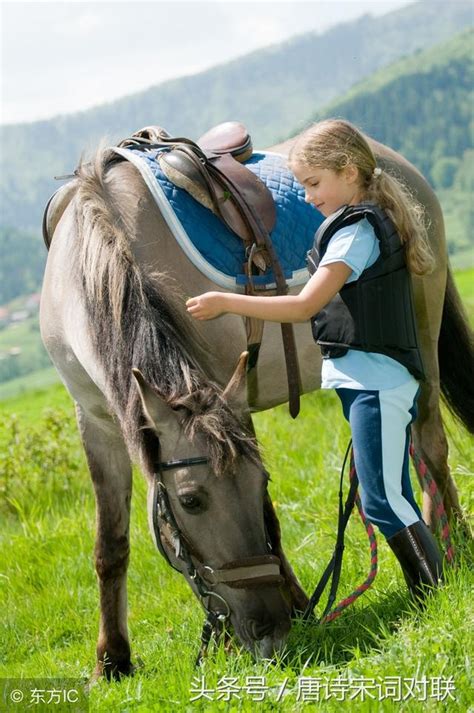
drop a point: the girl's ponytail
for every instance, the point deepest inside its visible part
(407, 215)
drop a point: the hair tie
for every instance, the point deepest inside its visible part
(376, 172)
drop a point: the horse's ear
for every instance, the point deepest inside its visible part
(158, 414)
(236, 389)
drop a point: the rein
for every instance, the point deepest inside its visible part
(262, 570)
(335, 564)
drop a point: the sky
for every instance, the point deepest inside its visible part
(62, 57)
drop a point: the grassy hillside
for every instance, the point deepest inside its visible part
(420, 106)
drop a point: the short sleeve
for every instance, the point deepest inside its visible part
(356, 245)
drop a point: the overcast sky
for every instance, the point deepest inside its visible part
(60, 57)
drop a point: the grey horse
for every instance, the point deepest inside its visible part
(149, 385)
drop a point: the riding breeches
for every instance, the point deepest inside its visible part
(380, 426)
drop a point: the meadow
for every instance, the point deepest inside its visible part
(49, 600)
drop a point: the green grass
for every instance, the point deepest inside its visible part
(48, 590)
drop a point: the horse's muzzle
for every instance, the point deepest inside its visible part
(264, 637)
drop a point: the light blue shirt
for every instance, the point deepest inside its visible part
(357, 246)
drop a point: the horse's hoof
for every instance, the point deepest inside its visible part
(113, 671)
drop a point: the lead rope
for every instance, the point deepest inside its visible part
(339, 608)
(335, 564)
(429, 486)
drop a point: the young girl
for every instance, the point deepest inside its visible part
(360, 305)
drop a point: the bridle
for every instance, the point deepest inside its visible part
(250, 572)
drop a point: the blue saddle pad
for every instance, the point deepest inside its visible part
(214, 248)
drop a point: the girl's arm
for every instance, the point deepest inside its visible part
(321, 288)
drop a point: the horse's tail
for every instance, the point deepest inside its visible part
(456, 357)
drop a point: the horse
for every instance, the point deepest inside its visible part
(150, 385)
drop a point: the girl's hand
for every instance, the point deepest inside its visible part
(206, 306)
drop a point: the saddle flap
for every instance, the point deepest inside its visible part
(183, 173)
(219, 187)
(248, 188)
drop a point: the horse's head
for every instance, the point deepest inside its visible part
(209, 510)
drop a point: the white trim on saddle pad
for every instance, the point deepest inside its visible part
(300, 277)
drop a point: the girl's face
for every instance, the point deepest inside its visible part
(326, 189)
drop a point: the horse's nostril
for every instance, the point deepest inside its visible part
(259, 629)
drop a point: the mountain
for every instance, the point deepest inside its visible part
(271, 90)
(420, 106)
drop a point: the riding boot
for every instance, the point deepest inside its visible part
(417, 551)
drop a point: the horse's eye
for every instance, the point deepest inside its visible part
(191, 503)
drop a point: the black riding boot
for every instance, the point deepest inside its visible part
(418, 553)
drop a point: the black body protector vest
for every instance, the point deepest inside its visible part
(374, 313)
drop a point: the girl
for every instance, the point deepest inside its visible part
(360, 305)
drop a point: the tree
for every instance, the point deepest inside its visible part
(444, 171)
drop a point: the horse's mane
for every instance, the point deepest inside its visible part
(136, 323)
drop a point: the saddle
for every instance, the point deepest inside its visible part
(211, 170)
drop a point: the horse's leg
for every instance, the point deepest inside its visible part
(111, 473)
(429, 437)
(430, 442)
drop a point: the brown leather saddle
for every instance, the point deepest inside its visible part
(211, 170)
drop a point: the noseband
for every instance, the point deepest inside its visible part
(249, 572)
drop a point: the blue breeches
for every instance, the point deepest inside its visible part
(380, 425)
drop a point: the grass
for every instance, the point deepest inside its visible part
(49, 594)
(48, 590)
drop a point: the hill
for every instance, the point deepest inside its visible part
(422, 107)
(271, 90)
